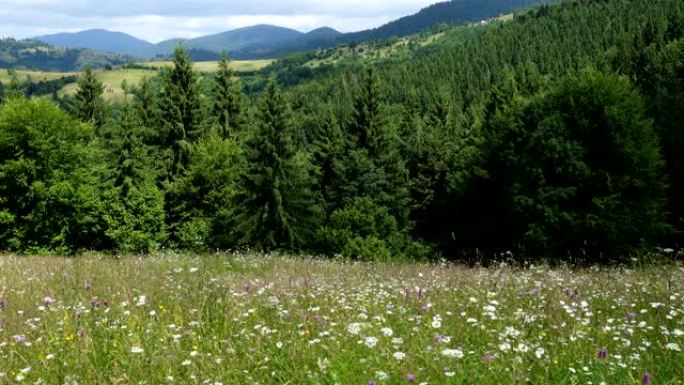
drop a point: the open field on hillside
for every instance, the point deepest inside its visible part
(211, 66)
(271, 320)
(113, 79)
(34, 76)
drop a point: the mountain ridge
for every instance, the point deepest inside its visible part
(100, 40)
(269, 41)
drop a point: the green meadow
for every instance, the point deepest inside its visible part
(259, 319)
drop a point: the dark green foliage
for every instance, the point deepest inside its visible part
(135, 220)
(145, 105)
(180, 109)
(665, 88)
(228, 108)
(89, 105)
(328, 158)
(48, 179)
(364, 230)
(133, 206)
(35, 55)
(368, 124)
(201, 202)
(577, 170)
(276, 207)
(461, 148)
(48, 87)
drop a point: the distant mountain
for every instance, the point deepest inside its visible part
(268, 41)
(100, 40)
(238, 39)
(35, 55)
(305, 41)
(254, 38)
(448, 12)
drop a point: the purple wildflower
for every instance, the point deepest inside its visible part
(529, 293)
(603, 354)
(47, 301)
(2, 304)
(420, 294)
(439, 337)
(371, 382)
(411, 377)
(487, 358)
(646, 379)
(20, 339)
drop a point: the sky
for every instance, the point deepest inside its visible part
(157, 20)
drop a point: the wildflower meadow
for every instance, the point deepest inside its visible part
(254, 319)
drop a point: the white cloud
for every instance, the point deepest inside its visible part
(157, 20)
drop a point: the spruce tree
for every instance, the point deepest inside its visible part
(89, 104)
(180, 109)
(277, 209)
(133, 204)
(228, 108)
(328, 156)
(145, 104)
(131, 169)
(367, 124)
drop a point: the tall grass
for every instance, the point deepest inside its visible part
(271, 320)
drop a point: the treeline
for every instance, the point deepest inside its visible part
(557, 135)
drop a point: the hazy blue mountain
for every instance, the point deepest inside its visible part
(100, 40)
(238, 39)
(268, 41)
(254, 39)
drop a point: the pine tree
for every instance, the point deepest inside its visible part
(133, 205)
(368, 122)
(89, 103)
(181, 112)
(276, 206)
(131, 170)
(228, 100)
(145, 104)
(328, 155)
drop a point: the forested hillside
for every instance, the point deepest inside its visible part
(29, 54)
(555, 135)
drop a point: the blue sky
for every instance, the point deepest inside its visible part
(157, 20)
